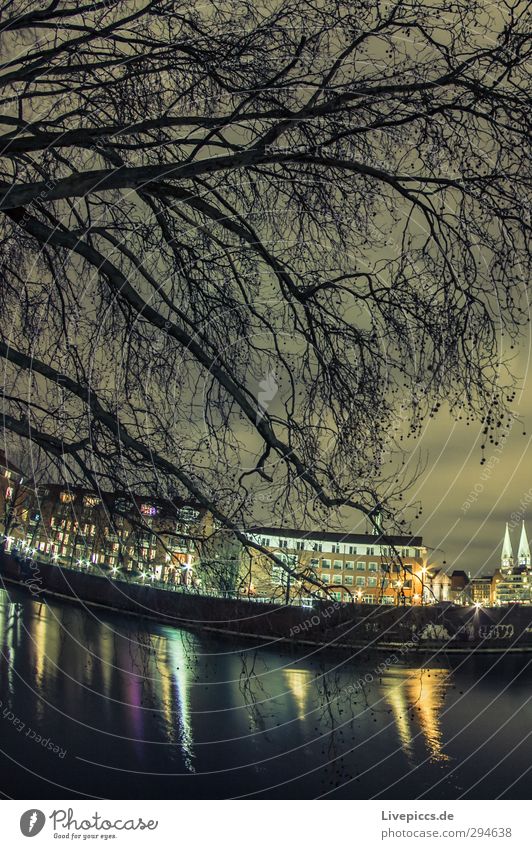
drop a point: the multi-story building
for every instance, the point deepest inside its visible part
(13, 497)
(154, 538)
(352, 567)
(439, 586)
(481, 590)
(460, 587)
(515, 581)
(179, 543)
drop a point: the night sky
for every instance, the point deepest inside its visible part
(471, 538)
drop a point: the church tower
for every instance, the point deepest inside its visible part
(523, 555)
(507, 556)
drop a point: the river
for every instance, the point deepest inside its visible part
(94, 705)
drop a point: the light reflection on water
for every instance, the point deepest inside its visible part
(147, 711)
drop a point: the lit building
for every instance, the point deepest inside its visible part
(352, 567)
(13, 497)
(76, 527)
(481, 589)
(460, 587)
(513, 584)
(440, 585)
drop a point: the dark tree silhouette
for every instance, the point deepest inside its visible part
(246, 249)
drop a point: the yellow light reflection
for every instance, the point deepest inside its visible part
(416, 702)
(425, 692)
(297, 681)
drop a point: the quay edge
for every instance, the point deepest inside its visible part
(441, 627)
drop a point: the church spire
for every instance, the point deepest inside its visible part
(523, 555)
(507, 556)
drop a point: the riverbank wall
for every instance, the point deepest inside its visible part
(442, 627)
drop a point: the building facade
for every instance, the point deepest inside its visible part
(75, 527)
(180, 544)
(481, 590)
(513, 585)
(347, 567)
(13, 497)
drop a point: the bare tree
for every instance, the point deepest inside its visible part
(246, 249)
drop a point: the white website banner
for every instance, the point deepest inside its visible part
(235, 824)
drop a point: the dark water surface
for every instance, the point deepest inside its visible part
(96, 705)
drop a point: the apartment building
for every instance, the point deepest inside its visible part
(121, 532)
(353, 567)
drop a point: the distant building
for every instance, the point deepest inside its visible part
(13, 497)
(175, 542)
(460, 587)
(513, 585)
(440, 585)
(353, 567)
(77, 527)
(481, 590)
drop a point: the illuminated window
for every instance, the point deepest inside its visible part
(148, 510)
(187, 514)
(9, 492)
(91, 500)
(66, 497)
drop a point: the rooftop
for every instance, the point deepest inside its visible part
(339, 536)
